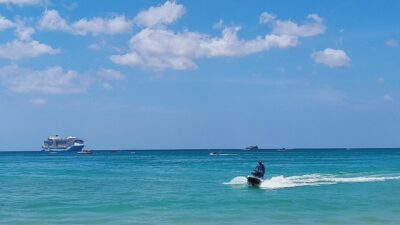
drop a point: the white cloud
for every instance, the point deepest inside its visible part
(97, 25)
(38, 101)
(52, 80)
(24, 46)
(5, 23)
(52, 21)
(55, 80)
(313, 27)
(159, 48)
(95, 46)
(23, 32)
(315, 17)
(392, 43)
(266, 17)
(164, 14)
(71, 6)
(219, 25)
(98, 45)
(387, 98)
(23, 2)
(18, 49)
(331, 57)
(110, 74)
(107, 86)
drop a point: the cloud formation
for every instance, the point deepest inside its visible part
(160, 48)
(5, 23)
(52, 21)
(24, 46)
(331, 57)
(18, 49)
(54, 80)
(313, 27)
(110, 74)
(156, 47)
(23, 2)
(266, 17)
(164, 14)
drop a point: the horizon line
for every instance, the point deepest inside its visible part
(220, 149)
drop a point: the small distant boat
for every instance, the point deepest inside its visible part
(86, 151)
(254, 147)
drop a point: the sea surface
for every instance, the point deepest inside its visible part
(302, 186)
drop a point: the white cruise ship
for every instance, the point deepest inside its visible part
(57, 143)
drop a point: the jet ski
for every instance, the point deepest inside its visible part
(254, 181)
(257, 175)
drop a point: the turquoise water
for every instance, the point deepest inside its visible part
(192, 187)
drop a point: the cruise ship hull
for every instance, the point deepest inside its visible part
(69, 149)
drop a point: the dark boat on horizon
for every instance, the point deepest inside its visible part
(255, 147)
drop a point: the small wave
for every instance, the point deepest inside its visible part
(279, 182)
(222, 154)
(317, 180)
(237, 181)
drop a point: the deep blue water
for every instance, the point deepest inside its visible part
(303, 186)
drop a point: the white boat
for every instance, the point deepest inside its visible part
(254, 147)
(86, 151)
(59, 144)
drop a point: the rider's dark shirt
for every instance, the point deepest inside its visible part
(260, 168)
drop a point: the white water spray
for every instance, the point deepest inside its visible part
(278, 182)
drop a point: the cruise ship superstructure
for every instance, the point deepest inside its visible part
(57, 143)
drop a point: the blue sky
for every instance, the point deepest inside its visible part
(200, 74)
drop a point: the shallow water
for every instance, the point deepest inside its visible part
(192, 187)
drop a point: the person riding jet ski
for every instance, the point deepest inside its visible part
(259, 171)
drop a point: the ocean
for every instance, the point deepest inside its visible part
(302, 186)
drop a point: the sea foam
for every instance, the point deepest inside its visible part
(279, 182)
(237, 181)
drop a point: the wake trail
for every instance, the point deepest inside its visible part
(279, 182)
